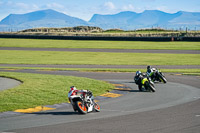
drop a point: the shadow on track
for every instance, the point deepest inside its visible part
(56, 113)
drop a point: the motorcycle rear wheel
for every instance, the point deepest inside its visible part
(82, 109)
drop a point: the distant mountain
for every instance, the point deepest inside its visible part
(43, 18)
(120, 20)
(147, 19)
(124, 20)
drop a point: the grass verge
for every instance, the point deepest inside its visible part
(38, 89)
(39, 43)
(96, 58)
(192, 74)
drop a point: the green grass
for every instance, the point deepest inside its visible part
(38, 89)
(192, 74)
(39, 43)
(97, 58)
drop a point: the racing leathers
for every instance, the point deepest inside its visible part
(138, 80)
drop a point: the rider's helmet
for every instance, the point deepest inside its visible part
(137, 73)
(72, 88)
(148, 67)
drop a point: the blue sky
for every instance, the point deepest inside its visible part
(85, 9)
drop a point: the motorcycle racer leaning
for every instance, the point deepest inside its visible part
(151, 72)
(156, 74)
(74, 91)
(82, 101)
(138, 79)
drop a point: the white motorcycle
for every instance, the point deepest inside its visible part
(83, 101)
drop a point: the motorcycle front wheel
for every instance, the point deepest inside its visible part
(96, 107)
(149, 87)
(162, 78)
(152, 88)
(82, 109)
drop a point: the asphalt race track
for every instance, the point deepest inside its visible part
(162, 111)
(8, 83)
(173, 108)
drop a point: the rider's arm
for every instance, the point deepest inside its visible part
(83, 91)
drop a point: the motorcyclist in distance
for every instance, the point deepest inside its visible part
(151, 72)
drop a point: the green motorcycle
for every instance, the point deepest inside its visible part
(157, 75)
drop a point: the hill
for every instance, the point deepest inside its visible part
(43, 18)
(124, 20)
(147, 19)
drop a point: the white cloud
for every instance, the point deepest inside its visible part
(109, 5)
(55, 5)
(111, 8)
(164, 9)
(22, 5)
(24, 8)
(6, 4)
(129, 7)
(35, 7)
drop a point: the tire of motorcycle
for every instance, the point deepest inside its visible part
(75, 109)
(162, 78)
(146, 86)
(140, 87)
(96, 107)
(152, 88)
(82, 109)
